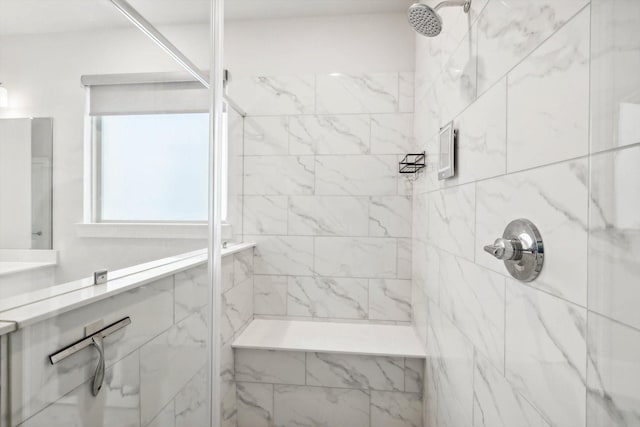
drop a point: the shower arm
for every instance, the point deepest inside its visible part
(466, 4)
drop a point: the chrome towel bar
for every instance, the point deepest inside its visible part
(96, 340)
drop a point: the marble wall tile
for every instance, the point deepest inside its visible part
(545, 350)
(451, 220)
(396, 409)
(227, 274)
(327, 297)
(270, 295)
(237, 306)
(510, 30)
(357, 93)
(390, 299)
(615, 84)
(613, 392)
(329, 134)
(269, 95)
(449, 373)
(482, 137)
(36, 384)
(555, 199)
(299, 405)
(265, 214)
(356, 175)
(278, 175)
(549, 99)
(614, 235)
(328, 215)
(392, 134)
(267, 366)
(473, 299)
(192, 402)
(406, 91)
(166, 418)
(496, 403)
(243, 265)
(413, 375)
(266, 136)
(184, 345)
(404, 259)
(229, 408)
(355, 371)
(390, 216)
(288, 255)
(116, 405)
(191, 291)
(255, 405)
(355, 257)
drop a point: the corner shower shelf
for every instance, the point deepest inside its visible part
(330, 337)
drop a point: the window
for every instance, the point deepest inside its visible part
(150, 149)
(152, 167)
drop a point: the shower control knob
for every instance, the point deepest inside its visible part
(521, 249)
(505, 249)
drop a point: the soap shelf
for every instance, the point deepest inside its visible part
(412, 163)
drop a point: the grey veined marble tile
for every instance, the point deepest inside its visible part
(266, 366)
(357, 93)
(255, 405)
(327, 297)
(614, 235)
(329, 134)
(613, 397)
(396, 409)
(269, 95)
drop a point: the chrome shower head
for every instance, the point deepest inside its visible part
(425, 20)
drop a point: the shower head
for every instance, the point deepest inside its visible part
(425, 20)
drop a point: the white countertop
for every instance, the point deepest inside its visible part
(27, 309)
(330, 337)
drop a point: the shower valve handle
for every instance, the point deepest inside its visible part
(505, 249)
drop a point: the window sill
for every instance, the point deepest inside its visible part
(143, 231)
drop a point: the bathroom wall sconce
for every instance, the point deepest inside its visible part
(4, 97)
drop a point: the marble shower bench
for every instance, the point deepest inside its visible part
(291, 373)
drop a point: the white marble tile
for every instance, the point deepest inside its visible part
(329, 134)
(265, 214)
(227, 274)
(406, 91)
(237, 309)
(615, 84)
(354, 371)
(356, 175)
(449, 374)
(227, 368)
(392, 134)
(548, 106)
(390, 299)
(357, 93)
(355, 257)
(283, 255)
(279, 175)
(169, 361)
(327, 297)
(266, 136)
(270, 295)
(509, 30)
(396, 409)
(413, 375)
(473, 298)
(320, 406)
(243, 265)
(390, 216)
(255, 405)
(228, 408)
(404, 258)
(116, 405)
(554, 198)
(451, 220)
(266, 366)
(151, 310)
(613, 397)
(269, 95)
(482, 138)
(191, 291)
(496, 403)
(545, 350)
(166, 418)
(192, 402)
(328, 215)
(614, 235)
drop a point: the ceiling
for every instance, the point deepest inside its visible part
(51, 16)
